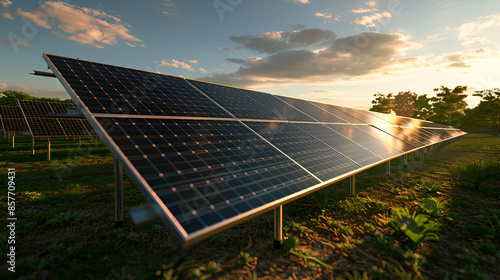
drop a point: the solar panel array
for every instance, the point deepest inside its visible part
(12, 119)
(210, 156)
(45, 120)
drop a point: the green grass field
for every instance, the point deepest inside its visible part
(437, 218)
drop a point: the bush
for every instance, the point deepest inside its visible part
(477, 172)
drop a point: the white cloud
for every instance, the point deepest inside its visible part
(370, 4)
(299, 1)
(368, 20)
(323, 15)
(177, 64)
(17, 43)
(481, 31)
(5, 3)
(194, 61)
(327, 16)
(130, 45)
(360, 55)
(16, 87)
(8, 16)
(80, 24)
(167, 7)
(204, 71)
(273, 42)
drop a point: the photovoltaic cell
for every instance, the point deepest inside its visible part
(341, 144)
(205, 171)
(378, 142)
(333, 110)
(311, 110)
(43, 121)
(248, 104)
(12, 119)
(117, 90)
(318, 158)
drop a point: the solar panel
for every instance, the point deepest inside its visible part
(44, 120)
(311, 110)
(340, 143)
(247, 104)
(210, 156)
(315, 156)
(206, 171)
(12, 119)
(117, 90)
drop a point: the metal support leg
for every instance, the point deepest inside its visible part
(352, 185)
(32, 146)
(405, 160)
(96, 138)
(79, 141)
(416, 154)
(48, 149)
(118, 194)
(278, 227)
(388, 168)
(13, 139)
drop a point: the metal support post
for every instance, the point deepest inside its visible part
(32, 146)
(405, 160)
(278, 227)
(118, 194)
(388, 168)
(48, 149)
(79, 141)
(415, 154)
(13, 139)
(352, 185)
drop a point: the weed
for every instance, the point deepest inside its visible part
(418, 228)
(431, 187)
(377, 271)
(243, 259)
(492, 231)
(432, 206)
(67, 218)
(372, 229)
(362, 205)
(342, 229)
(477, 172)
(292, 226)
(487, 248)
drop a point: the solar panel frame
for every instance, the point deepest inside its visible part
(12, 119)
(101, 121)
(41, 124)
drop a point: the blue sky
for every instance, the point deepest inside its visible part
(339, 52)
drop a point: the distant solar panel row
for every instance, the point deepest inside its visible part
(44, 120)
(209, 156)
(12, 119)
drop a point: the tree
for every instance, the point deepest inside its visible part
(488, 110)
(449, 105)
(404, 103)
(382, 103)
(10, 97)
(423, 107)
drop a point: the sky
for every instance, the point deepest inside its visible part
(337, 52)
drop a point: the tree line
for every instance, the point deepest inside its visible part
(10, 97)
(448, 106)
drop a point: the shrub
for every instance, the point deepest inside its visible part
(477, 172)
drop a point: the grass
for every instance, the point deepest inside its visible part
(477, 172)
(65, 229)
